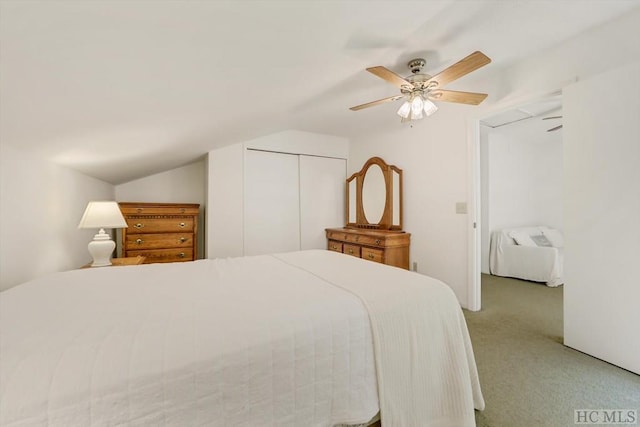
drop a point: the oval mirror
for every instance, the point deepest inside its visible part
(374, 194)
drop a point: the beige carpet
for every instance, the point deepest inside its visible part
(528, 377)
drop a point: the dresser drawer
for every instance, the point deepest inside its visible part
(371, 254)
(351, 250)
(357, 238)
(163, 225)
(131, 209)
(343, 237)
(158, 241)
(334, 246)
(371, 241)
(164, 255)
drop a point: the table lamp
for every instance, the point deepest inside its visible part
(102, 215)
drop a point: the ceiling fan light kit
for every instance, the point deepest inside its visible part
(413, 108)
(419, 89)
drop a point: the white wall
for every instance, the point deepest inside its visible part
(523, 174)
(435, 153)
(602, 204)
(225, 201)
(40, 207)
(186, 184)
(432, 155)
(226, 182)
(322, 198)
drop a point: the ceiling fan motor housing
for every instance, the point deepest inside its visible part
(419, 80)
(420, 83)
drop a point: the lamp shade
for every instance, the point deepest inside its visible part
(102, 215)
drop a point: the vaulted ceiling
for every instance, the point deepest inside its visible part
(120, 90)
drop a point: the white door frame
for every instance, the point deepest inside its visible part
(474, 218)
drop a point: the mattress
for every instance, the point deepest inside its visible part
(264, 340)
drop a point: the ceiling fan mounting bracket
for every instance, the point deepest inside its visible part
(416, 65)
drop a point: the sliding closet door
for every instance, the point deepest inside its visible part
(272, 204)
(322, 194)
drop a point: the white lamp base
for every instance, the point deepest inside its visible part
(101, 248)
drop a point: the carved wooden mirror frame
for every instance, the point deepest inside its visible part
(393, 197)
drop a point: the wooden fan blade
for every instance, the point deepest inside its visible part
(391, 77)
(555, 128)
(461, 68)
(471, 98)
(554, 117)
(374, 103)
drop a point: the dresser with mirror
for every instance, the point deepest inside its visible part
(373, 229)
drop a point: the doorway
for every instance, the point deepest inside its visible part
(516, 170)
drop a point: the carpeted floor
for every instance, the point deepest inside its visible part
(528, 377)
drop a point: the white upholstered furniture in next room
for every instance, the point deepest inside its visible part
(529, 253)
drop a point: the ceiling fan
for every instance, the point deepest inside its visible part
(556, 127)
(420, 89)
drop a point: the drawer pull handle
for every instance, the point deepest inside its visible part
(371, 256)
(350, 251)
(139, 225)
(139, 241)
(183, 239)
(139, 210)
(181, 254)
(182, 224)
(377, 241)
(357, 238)
(334, 247)
(346, 237)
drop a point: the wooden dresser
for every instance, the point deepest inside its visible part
(160, 232)
(383, 246)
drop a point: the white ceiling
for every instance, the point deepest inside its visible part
(544, 107)
(120, 90)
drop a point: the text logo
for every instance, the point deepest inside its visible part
(605, 416)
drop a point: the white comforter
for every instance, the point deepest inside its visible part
(426, 370)
(267, 340)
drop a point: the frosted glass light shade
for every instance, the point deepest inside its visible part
(404, 110)
(416, 106)
(102, 215)
(429, 107)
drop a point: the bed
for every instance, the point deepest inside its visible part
(311, 338)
